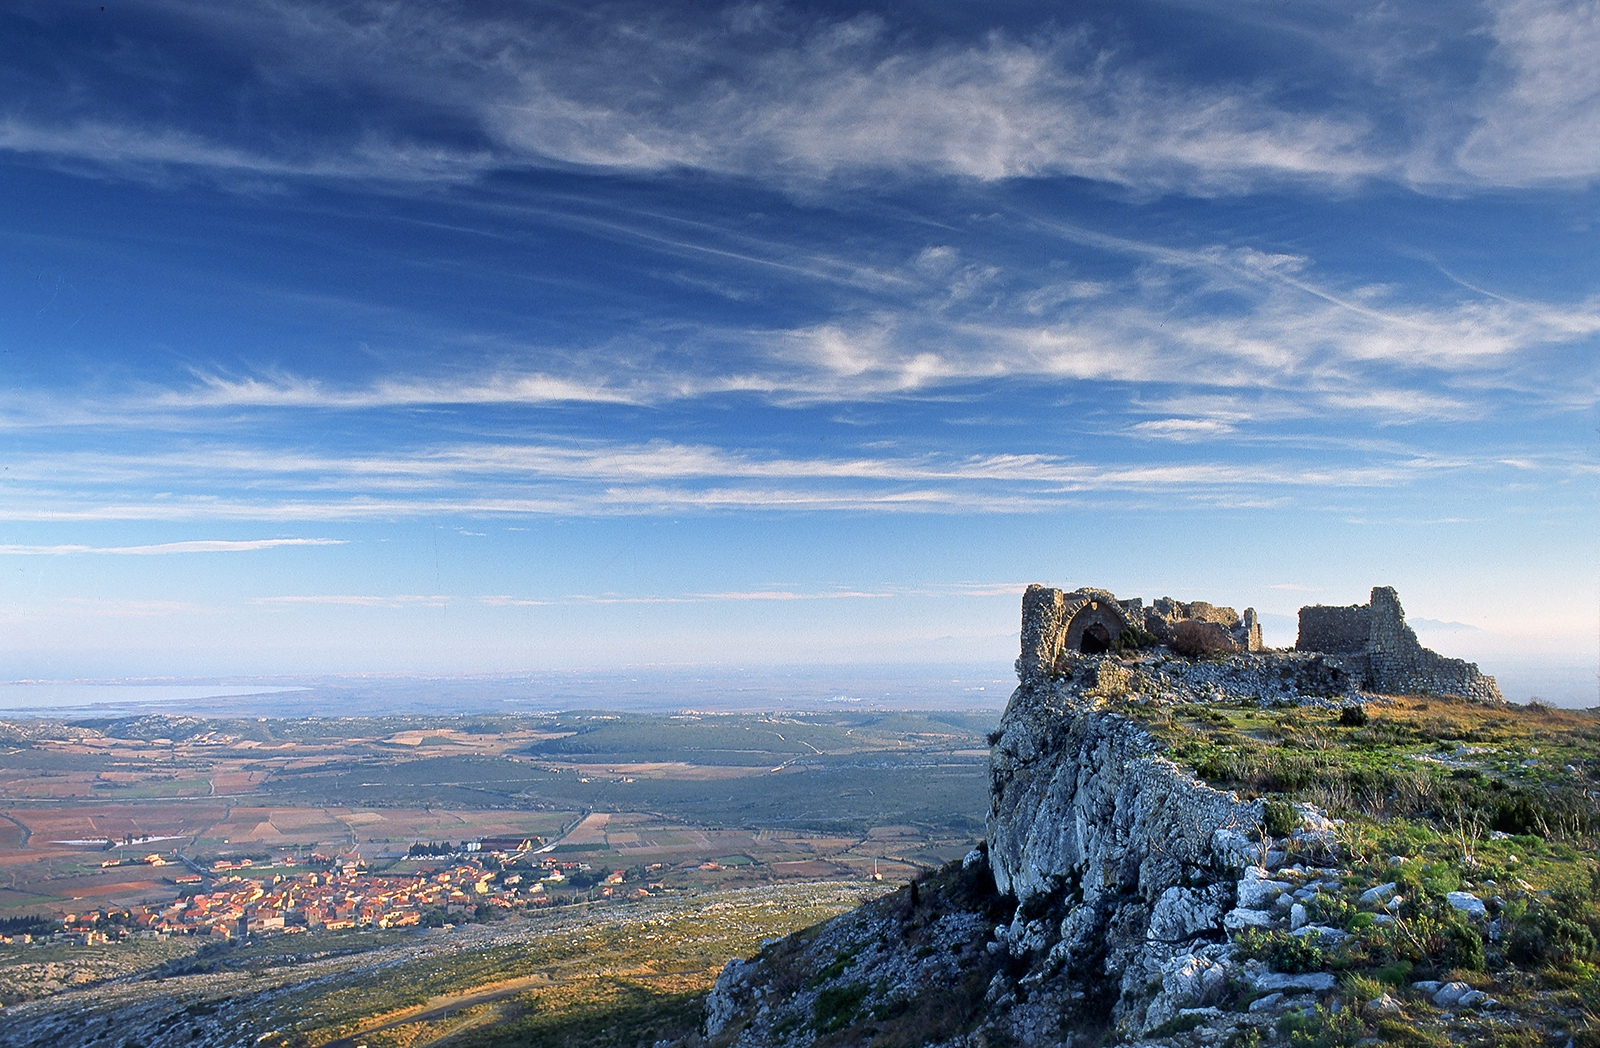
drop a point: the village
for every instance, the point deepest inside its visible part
(237, 898)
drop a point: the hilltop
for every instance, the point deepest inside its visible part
(1193, 840)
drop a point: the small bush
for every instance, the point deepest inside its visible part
(1133, 638)
(1361, 988)
(1333, 910)
(1394, 1031)
(1281, 951)
(836, 968)
(837, 1007)
(1354, 716)
(1249, 1037)
(1194, 638)
(1280, 817)
(1320, 1028)
(1177, 1024)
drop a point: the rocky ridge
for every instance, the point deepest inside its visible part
(1117, 897)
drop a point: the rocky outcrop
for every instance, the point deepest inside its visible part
(1114, 883)
(1081, 796)
(1129, 873)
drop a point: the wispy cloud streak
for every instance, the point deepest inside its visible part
(165, 548)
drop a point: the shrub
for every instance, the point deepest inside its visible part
(1320, 1028)
(1177, 1024)
(1354, 716)
(836, 967)
(1394, 1031)
(1281, 951)
(1194, 638)
(837, 1007)
(1280, 817)
(1361, 988)
(1133, 638)
(1552, 934)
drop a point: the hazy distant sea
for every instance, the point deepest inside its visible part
(1557, 682)
(652, 689)
(643, 689)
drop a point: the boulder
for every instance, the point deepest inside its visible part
(1382, 893)
(1242, 917)
(1467, 903)
(1315, 982)
(1257, 889)
(1183, 913)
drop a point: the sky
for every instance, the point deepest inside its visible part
(386, 337)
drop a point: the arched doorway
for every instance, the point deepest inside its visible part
(1096, 639)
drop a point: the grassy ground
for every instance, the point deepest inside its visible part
(1435, 795)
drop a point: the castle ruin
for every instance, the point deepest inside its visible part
(1091, 621)
(1376, 647)
(1369, 645)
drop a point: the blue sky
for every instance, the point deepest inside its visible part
(364, 337)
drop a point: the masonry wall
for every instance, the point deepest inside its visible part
(1398, 664)
(1384, 652)
(1335, 630)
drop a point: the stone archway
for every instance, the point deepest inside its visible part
(1094, 627)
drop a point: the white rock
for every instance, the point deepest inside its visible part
(1243, 917)
(1187, 980)
(1313, 818)
(1234, 848)
(1316, 982)
(1451, 993)
(1078, 929)
(1384, 1005)
(1467, 903)
(1256, 889)
(1297, 917)
(1267, 1003)
(1183, 913)
(1381, 893)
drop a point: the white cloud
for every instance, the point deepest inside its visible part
(150, 151)
(848, 98)
(292, 391)
(1183, 428)
(594, 477)
(162, 548)
(801, 102)
(1539, 121)
(402, 600)
(795, 101)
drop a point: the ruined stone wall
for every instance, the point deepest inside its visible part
(1334, 630)
(1398, 664)
(1379, 648)
(1054, 621)
(1044, 620)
